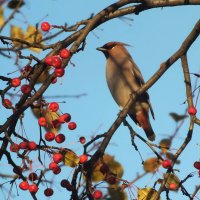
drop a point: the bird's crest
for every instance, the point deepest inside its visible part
(110, 45)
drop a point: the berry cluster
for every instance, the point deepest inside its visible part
(16, 82)
(56, 62)
(31, 146)
(56, 123)
(51, 118)
(33, 188)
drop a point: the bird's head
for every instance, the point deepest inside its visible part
(111, 48)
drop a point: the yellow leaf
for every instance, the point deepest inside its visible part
(114, 168)
(16, 32)
(165, 145)
(151, 165)
(51, 117)
(36, 50)
(172, 179)
(117, 194)
(108, 158)
(71, 159)
(1, 16)
(97, 175)
(147, 194)
(32, 36)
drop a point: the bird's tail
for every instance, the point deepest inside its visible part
(143, 120)
(150, 133)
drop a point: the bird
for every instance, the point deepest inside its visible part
(124, 79)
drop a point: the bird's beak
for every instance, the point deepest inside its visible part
(101, 49)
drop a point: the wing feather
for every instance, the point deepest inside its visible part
(135, 79)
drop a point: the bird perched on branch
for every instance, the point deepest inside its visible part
(124, 78)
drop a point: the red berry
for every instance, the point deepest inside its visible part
(25, 89)
(72, 125)
(192, 110)
(97, 194)
(26, 69)
(48, 60)
(173, 186)
(32, 176)
(65, 183)
(65, 53)
(59, 72)
(56, 62)
(33, 188)
(42, 121)
(55, 123)
(54, 80)
(57, 170)
(69, 187)
(197, 164)
(14, 147)
(24, 185)
(82, 140)
(45, 26)
(7, 103)
(64, 118)
(48, 192)
(60, 138)
(52, 165)
(57, 157)
(83, 158)
(23, 145)
(32, 146)
(15, 82)
(166, 163)
(49, 136)
(53, 106)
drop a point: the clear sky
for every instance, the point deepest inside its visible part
(154, 36)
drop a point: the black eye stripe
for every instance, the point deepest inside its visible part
(109, 46)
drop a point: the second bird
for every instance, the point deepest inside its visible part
(124, 78)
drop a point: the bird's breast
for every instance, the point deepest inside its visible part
(117, 84)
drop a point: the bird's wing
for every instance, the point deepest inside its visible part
(150, 107)
(135, 79)
(132, 77)
(136, 72)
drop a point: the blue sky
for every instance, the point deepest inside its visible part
(154, 35)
